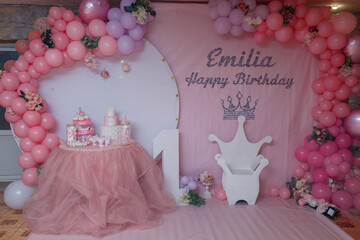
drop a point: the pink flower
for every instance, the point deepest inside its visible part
(302, 201)
(38, 108)
(30, 95)
(31, 105)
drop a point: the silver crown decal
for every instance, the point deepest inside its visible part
(232, 112)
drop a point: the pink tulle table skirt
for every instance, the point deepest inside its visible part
(96, 191)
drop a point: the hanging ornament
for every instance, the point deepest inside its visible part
(105, 74)
(90, 61)
(125, 67)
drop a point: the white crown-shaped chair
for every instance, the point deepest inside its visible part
(241, 165)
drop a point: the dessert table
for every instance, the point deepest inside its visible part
(98, 191)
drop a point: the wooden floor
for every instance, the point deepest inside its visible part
(12, 225)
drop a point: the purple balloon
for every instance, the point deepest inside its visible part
(236, 16)
(139, 45)
(223, 8)
(352, 123)
(93, 9)
(128, 20)
(137, 33)
(126, 44)
(213, 13)
(125, 3)
(222, 25)
(236, 31)
(192, 185)
(352, 48)
(251, 3)
(114, 29)
(114, 14)
(247, 27)
(261, 11)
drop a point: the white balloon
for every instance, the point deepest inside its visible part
(192, 185)
(16, 194)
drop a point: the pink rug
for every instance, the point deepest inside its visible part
(270, 218)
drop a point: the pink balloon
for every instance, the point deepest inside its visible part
(37, 47)
(357, 202)
(308, 177)
(326, 12)
(336, 41)
(93, 9)
(321, 191)
(343, 140)
(301, 153)
(324, 65)
(356, 89)
(315, 159)
(223, 8)
(220, 193)
(21, 129)
(284, 192)
(328, 95)
(33, 73)
(346, 154)
(274, 21)
(24, 77)
(337, 59)
(311, 146)
(327, 119)
(343, 93)
(305, 166)
(6, 98)
(336, 158)
(326, 55)
(301, 11)
(341, 110)
(39, 153)
(32, 118)
(107, 45)
(54, 57)
(41, 66)
(344, 167)
(325, 105)
(344, 22)
(317, 45)
(313, 16)
(284, 34)
(47, 121)
(55, 13)
(237, 31)
(97, 28)
(356, 161)
(328, 148)
(18, 105)
(300, 24)
(298, 172)
(75, 30)
(275, 6)
(25, 161)
(273, 191)
(342, 199)
(29, 176)
(68, 15)
(21, 65)
(36, 134)
(325, 29)
(51, 141)
(332, 170)
(319, 175)
(12, 118)
(14, 70)
(60, 25)
(50, 20)
(25, 87)
(76, 50)
(60, 40)
(10, 81)
(26, 144)
(352, 50)
(68, 61)
(29, 56)
(332, 83)
(316, 112)
(351, 81)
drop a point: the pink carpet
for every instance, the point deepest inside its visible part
(270, 218)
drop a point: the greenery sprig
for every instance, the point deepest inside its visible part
(321, 136)
(90, 44)
(195, 199)
(355, 150)
(288, 13)
(47, 38)
(140, 3)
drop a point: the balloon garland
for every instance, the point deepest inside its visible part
(329, 155)
(60, 39)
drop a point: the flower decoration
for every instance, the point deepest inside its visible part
(41, 24)
(345, 69)
(205, 178)
(298, 188)
(321, 136)
(90, 61)
(243, 7)
(353, 173)
(9, 110)
(320, 205)
(334, 185)
(33, 100)
(288, 13)
(47, 40)
(105, 74)
(141, 10)
(252, 20)
(192, 198)
(312, 33)
(125, 67)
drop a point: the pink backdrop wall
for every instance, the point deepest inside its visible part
(186, 38)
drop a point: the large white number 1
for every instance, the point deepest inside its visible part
(166, 146)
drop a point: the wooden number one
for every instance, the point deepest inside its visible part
(166, 147)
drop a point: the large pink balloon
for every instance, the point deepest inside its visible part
(325, 29)
(93, 9)
(284, 34)
(54, 57)
(344, 22)
(10, 81)
(357, 201)
(352, 185)
(342, 200)
(327, 119)
(332, 170)
(97, 28)
(313, 16)
(32, 118)
(25, 160)
(107, 45)
(76, 50)
(317, 45)
(41, 66)
(51, 141)
(328, 148)
(315, 159)
(319, 175)
(37, 134)
(336, 41)
(301, 153)
(39, 153)
(29, 176)
(352, 48)
(274, 21)
(343, 140)
(26, 144)
(37, 47)
(21, 129)
(341, 110)
(18, 105)
(47, 121)
(75, 30)
(352, 123)
(321, 191)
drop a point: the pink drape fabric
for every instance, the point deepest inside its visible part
(185, 36)
(97, 191)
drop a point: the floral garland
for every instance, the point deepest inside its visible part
(287, 13)
(140, 10)
(205, 178)
(320, 136)
(33, 100)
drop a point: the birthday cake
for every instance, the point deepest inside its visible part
(111, 129)
(83, 125)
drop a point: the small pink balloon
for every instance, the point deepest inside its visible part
(18, 105)
(336, 158)
(284, 192)
(37, 134)
(47, 121)
(327, 119)
(342, 199)
(332, 170)
(298, 172)
(305, 166)
(332, 83)
(313, 16)
(76, 50)
(6, 98)
(301, 11)
(321, 191)
(319, 175)
(50, 20)
(325, 105)
(315, 159)
(33, 73)
(55, 13)
(344, 167)
(343, 93)
(341, 110)
(12, 118)
(21, 129)
(41, 66)
(40, 153)
(311, 145)
(51, 141)
(328, 148)
(97, 28)
(325, 29)
(75, 30)
(107, 45)
(22, 65)
(301, 153)
(351, 81)
(336, 41)
(356, 161)
(10, 81)
(32, 118)
(24, 77)
(274, 21)
(61, 40)
(273, 191)
(60, 25)
(221, 195)
(26, 144)
(275, 6)
(29, 176)
(317, 45)
(68, 15)
(357, 201)
(25, 87)
(68, 61)
(328, 95)
(316, 112)
(343, 140)
(284, 34)
(308, 177)
(37, 47)
(346, 154)
(54, 57)
(29, 56)
(25, 161)
(324, 65)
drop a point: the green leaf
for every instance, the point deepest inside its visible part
(153, 13)
(128, 9)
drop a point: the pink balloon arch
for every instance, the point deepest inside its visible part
(99, 31)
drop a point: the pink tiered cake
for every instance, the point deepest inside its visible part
(83, 125)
